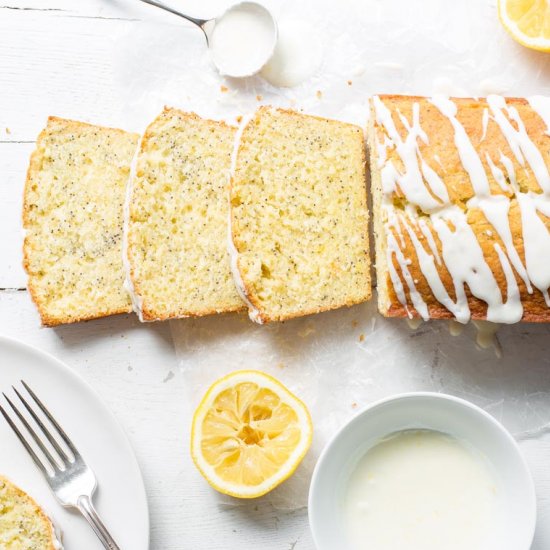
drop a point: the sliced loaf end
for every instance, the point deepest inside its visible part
(72, 216)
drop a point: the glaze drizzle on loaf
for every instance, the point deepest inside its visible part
(463, 209)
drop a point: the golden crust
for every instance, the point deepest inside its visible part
(265, 318)
(442, 156)
(48, 320)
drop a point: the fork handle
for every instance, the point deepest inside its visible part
(86, 508)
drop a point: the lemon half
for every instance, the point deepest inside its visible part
(249, 434)
(528, 21)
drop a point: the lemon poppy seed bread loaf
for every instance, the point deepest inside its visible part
(299, 219)
(461, 191)
(72, 216)
(176, 226)
(23, 524)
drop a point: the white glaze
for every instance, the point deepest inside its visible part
(393, 250)
(498, 174)
(414, 323)
(486, 336)
(536, 242)
(253, 311)
(496, 208)
(518, 140)
(411, 182)
(421, 490)
(243, 40)
(464, 259)
(513, 299)
(484, 123)
(429, 270)
(510, 170)
(466, 151)
(395, 279)
(455, 328)
(461, 252)
(394, 221)
(128, 284)
(438, 160)
(57, 536)
(382, 150)
(434, 182)
(297, 56)
(430, 238)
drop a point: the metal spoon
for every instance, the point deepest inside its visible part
(208, 26)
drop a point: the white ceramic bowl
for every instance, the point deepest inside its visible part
(432, 411)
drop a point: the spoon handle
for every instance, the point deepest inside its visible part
(198, 22)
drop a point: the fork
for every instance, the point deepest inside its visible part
(71, 480)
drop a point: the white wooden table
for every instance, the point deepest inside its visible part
(56, 59)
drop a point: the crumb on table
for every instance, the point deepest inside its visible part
(306, 331)
(224, 89)
(350, 82)
(8, 131)
(319, 94)
(259, 97)
(361, 338)
(239, 119)
(354, 323)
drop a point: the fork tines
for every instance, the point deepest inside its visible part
(53, 458)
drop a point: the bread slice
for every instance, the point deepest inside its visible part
(72, 216)
(176, 229)
(461, 192)
(23, 524)
(299, 219)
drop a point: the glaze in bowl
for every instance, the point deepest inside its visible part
(432, 411)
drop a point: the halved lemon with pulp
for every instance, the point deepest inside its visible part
(528, 21)
(249, 434)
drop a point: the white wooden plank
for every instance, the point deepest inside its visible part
(61, 61)
(114, 9)
(128, 9)
(55, 66)
(78, 6)
(13, 166)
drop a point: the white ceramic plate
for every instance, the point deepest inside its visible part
(120, 497)
(433, 411)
